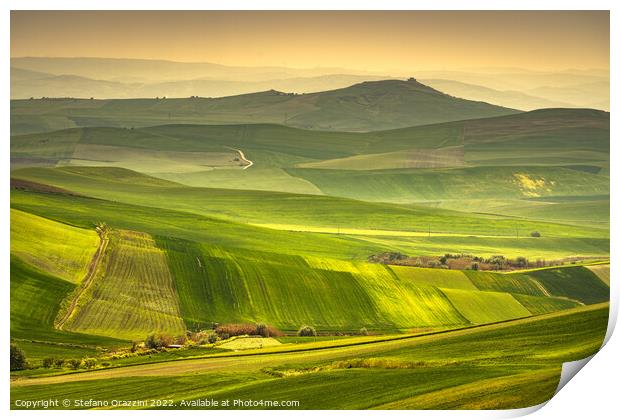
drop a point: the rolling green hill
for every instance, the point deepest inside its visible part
(262, 208)
(36, 298)
(534, 165)
(142, 285)
(61, 250)
(365, 106)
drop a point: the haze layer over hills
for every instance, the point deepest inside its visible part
(131, 78)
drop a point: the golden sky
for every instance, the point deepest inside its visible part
(398, 41)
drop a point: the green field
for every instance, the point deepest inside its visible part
(177, 216)
(259, 207)
(244, 284)
(463, 369)
(36, 298)
(62, 250)
(562, 282)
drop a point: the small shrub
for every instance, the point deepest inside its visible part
(89, 363)
(212, 338)
(74, 363)
(307, 331)
(535, 234)
(48, 362)
(18, 358)
(363, 331)
(475, 266)
(58, 363)
(151, 342)
(157, 341)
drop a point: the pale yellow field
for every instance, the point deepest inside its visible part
(602, 272)
(246, 343)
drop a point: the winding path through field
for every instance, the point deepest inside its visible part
(242, 155)
(250, 163)
(88, 279)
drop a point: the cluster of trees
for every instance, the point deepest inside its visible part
(19, 362)
(210, 336)
(388, 258)
(458, 261)
(225, 331)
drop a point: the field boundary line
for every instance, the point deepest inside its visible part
(88, 279)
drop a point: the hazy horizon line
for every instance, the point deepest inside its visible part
(563, 69)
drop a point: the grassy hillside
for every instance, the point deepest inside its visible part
(59, 249)
(491, 182)
(462, 369)
(365, 106)
(217, 277)
(87, 212)
(584, 210)
(35, 300)
(485, 307)
(263, 208)
(548, 165)
(534, 165)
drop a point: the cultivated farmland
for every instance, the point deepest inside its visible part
(151, 260)
(132, 294)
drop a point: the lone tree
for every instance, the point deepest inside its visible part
(157, 341)
(18, 358)
(307, 331)
(535, 234)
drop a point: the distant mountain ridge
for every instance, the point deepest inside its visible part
(152, 71)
